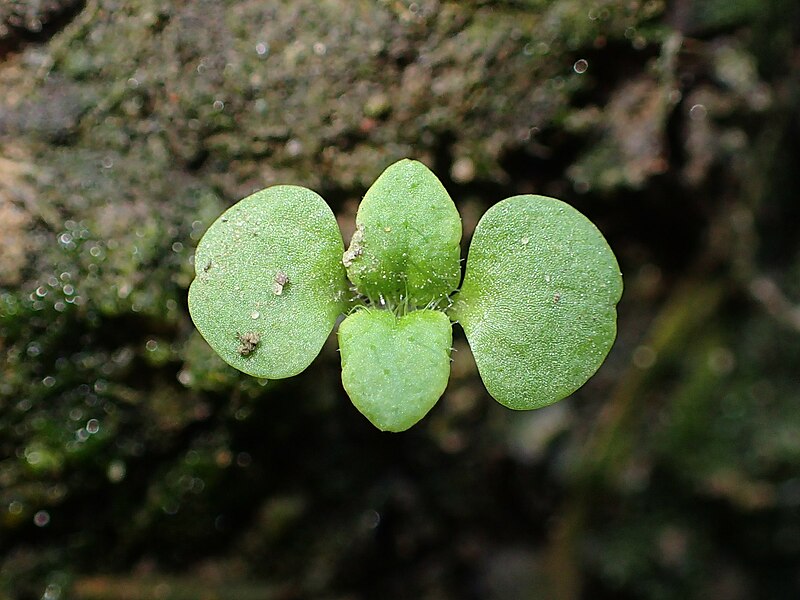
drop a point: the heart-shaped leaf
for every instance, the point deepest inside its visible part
(395, 368)
(269, 281)
(406, 247)
(538, 303)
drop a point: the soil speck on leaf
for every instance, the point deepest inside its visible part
(247, 342)
(280, 280)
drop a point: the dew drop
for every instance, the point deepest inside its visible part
(185, 377)
(116, 471)
(255, 315)
(41, 518)
(294, 147)
(644, 357)
(697, 112)
(580, 66)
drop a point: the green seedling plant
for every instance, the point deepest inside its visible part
(537, 303)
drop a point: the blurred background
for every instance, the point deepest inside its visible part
(135, 464)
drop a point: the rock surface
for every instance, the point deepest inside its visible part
(127, 446)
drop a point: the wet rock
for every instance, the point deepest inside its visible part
(21, 19)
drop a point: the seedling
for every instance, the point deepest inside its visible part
(537, 304)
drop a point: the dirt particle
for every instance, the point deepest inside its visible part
(247, 342)
(278, 283)
(356, 249)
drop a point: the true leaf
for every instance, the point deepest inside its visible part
(406, 244)
(269, 281)
(395, 368)
(538, 303)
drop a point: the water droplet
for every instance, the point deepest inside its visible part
(371, 519)
(41, 518)
(463, 170)
(294, 147)
(320, 49)
(93, 426)
(116, 471)
(49, 381)
(580, 66)
(255, 315)
(218, 105)
(262, 48)
(644, 357)
(524, 241)
(15, 507)
(697, 112)
(151, 345)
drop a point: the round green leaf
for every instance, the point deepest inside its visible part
(395, 368)
(406, 247)
(269, 281)
(538, 303)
